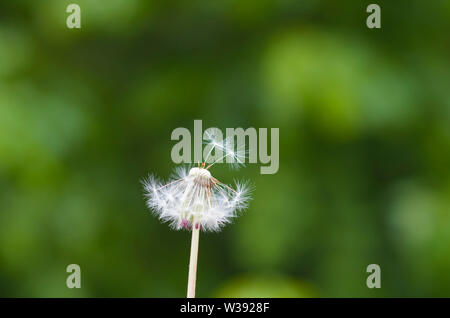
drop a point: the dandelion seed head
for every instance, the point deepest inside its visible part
(193, 197)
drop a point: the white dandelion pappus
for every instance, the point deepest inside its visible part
(195, 198)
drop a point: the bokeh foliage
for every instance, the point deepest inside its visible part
(364, 118)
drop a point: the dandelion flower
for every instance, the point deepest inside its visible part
(194, 200)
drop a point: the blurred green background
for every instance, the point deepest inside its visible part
(364, 118)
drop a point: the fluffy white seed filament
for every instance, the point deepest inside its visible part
(195, 197)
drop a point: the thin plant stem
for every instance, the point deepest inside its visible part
(193, 261)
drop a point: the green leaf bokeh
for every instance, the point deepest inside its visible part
(364, 119)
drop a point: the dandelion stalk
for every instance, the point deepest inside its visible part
(195, 200)
(192, 278)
